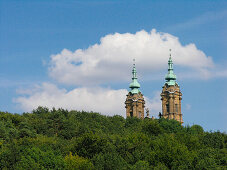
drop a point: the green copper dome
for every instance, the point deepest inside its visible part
(134, 85)
(170, 77)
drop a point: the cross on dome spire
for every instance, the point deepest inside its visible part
(134, 85)
(170, 77)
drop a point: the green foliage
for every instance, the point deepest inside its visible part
(61, 139)
(141, 165)
(89, 145)
(170, 152)
(196, 129)
(35, 158)
(214, 140)
(109, 161)
(152, 127)
(76, 162)
(160, 166)
(170, 126)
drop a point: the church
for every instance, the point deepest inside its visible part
(170, 97)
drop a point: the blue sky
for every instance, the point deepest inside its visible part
(35, 69)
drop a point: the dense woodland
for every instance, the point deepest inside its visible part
(61, 139)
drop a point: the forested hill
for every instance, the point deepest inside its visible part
(59, 139)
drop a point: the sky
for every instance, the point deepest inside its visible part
(78, 55)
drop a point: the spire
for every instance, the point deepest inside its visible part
(134, 85)
(170, 77)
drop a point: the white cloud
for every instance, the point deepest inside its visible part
(110, 61)
(104, 100)
(154, 104)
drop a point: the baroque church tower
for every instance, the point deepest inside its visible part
(134, 103)
(171, 96)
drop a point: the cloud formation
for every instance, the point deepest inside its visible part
(106, 101)
(154, 104)
(111, 60)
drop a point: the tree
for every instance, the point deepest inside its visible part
(76, 162)
(141, 165)
(58, 139)
(151, 127)
(89, 145)
(109, 161)
(214, 140)
(35, 158)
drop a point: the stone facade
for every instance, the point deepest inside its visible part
(171, 96)
(171, 102)
(134, 105)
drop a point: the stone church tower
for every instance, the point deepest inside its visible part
(134, 103)
(171, 96)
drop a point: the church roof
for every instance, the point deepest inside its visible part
(134, 85)
(170, 77)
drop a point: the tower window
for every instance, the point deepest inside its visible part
(167, 108)
(139, 114)
(131, 114)
(176, 108)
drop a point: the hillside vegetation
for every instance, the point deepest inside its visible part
(61, 139)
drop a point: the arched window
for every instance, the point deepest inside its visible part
(131, 114)
(139, 114)
(167, 108)
(176, 108)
